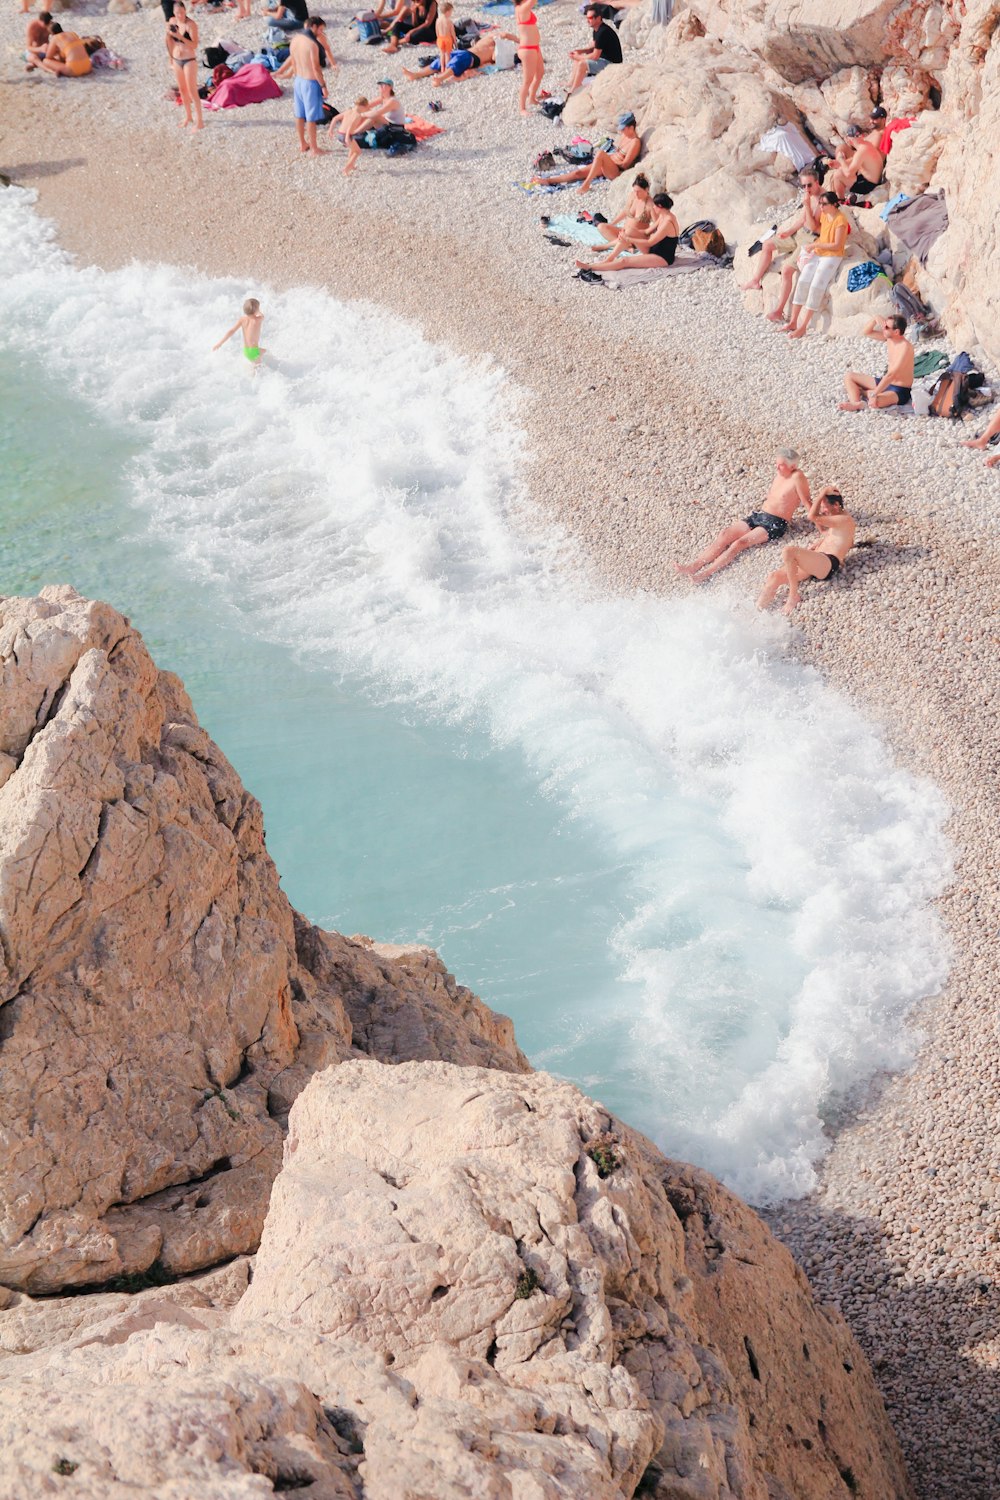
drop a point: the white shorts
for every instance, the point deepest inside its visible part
(816, 275)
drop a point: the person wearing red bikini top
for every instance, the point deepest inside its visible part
(529, 50)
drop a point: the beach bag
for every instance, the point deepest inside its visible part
(553, 108)
(368, 30)
(214, 56)
(687, 235)
(387, 136)
(708, 242)
(505, 55)
(578, 155)
(858, 277)
(950, 395)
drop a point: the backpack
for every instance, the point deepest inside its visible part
(214, 56)
(950, 394)
(576, 154)
(369, 31)
(553, 108)
(687, 235)
(384, 137)
(708, 242)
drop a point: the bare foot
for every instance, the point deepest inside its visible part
(974, 443)
(318, 151)
(584, 265)
(793, 600)
(783, 327)
(751, 286)
(201, 126)
(796, 333)
(991, 463)
(584, 187)
(409, 73)
(776, 315)
(686, 569)
(851, 406)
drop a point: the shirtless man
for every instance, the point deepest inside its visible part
(859, 170)
(37, 38)
(310, 89)
(822, 560)
(464, 62)
(789, 489)
(983, 441)
(609, 164)
(793, 235)
(896, 385)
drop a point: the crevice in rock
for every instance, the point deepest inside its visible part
(223, 1164)
(751, 1358)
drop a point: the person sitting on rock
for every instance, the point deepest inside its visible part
(823, 560)
(984, 440)
(896, 385)
(789, 489)
(607, 164)
(859, 171)
(818, 266)
(793, 235)
(605, 49)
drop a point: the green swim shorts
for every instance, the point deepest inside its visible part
(252, 354)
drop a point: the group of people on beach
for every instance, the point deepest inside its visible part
(789, 492)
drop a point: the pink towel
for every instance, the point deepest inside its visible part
(251, 85)
(421, 128)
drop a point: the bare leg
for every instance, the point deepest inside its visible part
(192, 83)
(984, 440)
(799, 563)
(353, 152)
(578, 75)
(788, 273)
(774, 581)
(601, 166)
(755, 538)
(798, 329)
(855, 386)
(577, 174)
(624, 263)
(537, 74)
(992, 462)
(183, 92)
(314, 148)
(300, 130)
(763, 266)
(714, 549)
(414, 73)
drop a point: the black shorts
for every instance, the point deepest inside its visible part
(862, 185)
(773, 525)
(834, 568)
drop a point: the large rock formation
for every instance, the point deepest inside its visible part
(160, 1003)
(708, 86)
(471, 1282)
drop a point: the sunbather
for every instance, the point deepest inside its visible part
(37, 38)
(65, 55)
(984, 439)
(823, 560)
(650, 251)
(896, 386)
(789, 489)
(793, 235)
(415, 27)
(609, 164)
(529, 55)
(635, 217)
(464, 62)
(859, 169)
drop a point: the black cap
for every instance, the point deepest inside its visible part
(879, 113)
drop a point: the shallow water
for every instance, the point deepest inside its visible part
(617, 819)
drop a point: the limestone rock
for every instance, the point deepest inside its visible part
(452, 1300)
(159, 1005)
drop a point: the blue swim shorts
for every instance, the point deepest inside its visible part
(460, 62)
(308, 101)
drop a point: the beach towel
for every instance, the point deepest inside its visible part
(893, 203)
(929, 362)
(575, 229)
(893, 128)
(920, 224)
(421, 128)
(686, 260)
(251, 85)
(789, 140)
(860, 276)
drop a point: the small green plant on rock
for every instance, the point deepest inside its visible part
(64, 1466)
(527, 1283)
(220, 1094)
(605, 1157)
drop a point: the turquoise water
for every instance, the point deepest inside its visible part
(378, 822)
(613, 816)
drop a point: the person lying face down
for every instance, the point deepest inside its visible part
(604, 50)
(822, 560)
(608, 164)
(896, 386)
(789, 489)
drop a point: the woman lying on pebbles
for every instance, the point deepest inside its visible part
(609, 164)
(182, 49)
(657, 247)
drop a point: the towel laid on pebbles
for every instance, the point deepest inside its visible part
(251, 85)
(687, 260)
(421, 128)
(575, 229)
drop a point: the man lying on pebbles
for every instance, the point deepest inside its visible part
(896, 385)
(789, 489)
(823, 560)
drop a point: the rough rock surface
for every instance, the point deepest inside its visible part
(160, 1003)
(450, 1299)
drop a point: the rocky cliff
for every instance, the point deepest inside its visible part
(470, 1280)
(707, 87)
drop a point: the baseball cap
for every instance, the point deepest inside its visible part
(626, 119)
(878, 113)
(386, 81)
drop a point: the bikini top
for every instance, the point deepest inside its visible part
(531, 20)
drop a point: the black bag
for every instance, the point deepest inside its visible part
(393, 135)
(553, 108)
(214, 56)
(950, 395)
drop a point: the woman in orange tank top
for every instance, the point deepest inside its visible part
(529, 50)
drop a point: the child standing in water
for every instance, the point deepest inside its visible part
(444, 35)
(251, 323)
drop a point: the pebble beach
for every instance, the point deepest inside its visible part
(652, 417)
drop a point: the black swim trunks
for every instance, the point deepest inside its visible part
(834, 568)
(773, 525)
(903, 393)
(863, 185)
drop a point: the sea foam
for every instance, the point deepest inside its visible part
(362, 502)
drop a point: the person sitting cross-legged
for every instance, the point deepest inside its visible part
(896, 386)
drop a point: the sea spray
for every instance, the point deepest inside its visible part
(361, 502)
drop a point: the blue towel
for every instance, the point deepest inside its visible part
(572, 228)
(895, 202)
(858, 277)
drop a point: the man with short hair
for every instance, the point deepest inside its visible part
(792, 236)
(37, 38)
(789, 489)
(309, 88)
(859, 171)
(605, 49)
(896, 385)
(823, 560)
